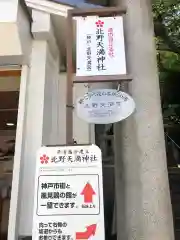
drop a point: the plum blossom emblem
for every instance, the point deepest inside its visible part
(44, 159)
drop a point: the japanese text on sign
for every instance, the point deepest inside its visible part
(69, 157)
(53, 231)
(100, 46)
(89, 61)
(101, 65)
(58, 195)
(68, 202)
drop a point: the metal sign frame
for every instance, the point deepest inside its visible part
(101, 12)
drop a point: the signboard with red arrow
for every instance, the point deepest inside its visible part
(88, 193)
(90, 231)
(69, 193)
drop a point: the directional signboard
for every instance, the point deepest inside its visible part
(68, 203)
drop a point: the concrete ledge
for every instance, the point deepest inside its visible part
(43, 29)
(15, 34)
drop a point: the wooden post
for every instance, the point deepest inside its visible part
(69, 90)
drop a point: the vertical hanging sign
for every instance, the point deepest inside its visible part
(100, 48)
(68, 199)
(100, 51)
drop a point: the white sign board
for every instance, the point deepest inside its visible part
(68, 199)
(100, 48)
(104, 106)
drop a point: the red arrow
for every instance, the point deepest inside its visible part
(88, 193)
(90, 231)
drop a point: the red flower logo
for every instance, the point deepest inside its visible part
(44, 159)
(99, 23)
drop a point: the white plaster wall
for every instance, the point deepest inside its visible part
(24, 31)
(51, 102)
(33, 133)
(47, 105)
(10, 42)
(54, 81)
(41, 24)
(15, 193)
(62, 108)
(40, 125)
(8, 10)
(15, 33)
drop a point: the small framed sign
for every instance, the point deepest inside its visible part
(100, 48)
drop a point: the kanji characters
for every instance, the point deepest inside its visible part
(101, 58)
(53, 231)
(88, 53)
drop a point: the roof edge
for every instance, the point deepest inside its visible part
(78, 5)
(49, 7)
(24, 6)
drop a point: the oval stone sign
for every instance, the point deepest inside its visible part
(104, 106)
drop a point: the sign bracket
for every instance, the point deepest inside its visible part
(107, 78)
(71, 79)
